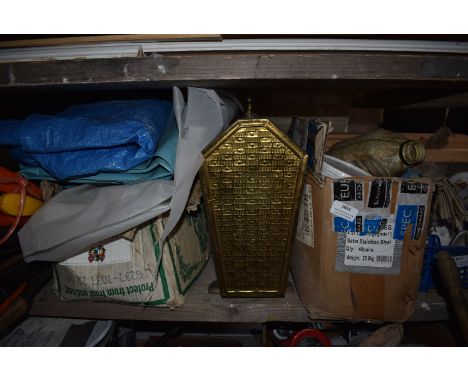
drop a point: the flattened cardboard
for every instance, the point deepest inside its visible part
(355, 296)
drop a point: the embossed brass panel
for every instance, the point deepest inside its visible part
(252, 179)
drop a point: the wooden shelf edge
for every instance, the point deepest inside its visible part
(199, 67)
(203, 306)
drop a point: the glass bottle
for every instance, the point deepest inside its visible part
(380, 152)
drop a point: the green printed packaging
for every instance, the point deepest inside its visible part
(125, 271)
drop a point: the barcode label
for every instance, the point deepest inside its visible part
(305, 229)
(383, 259)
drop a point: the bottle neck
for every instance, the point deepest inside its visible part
(412, 153)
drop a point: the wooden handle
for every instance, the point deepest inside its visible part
(451, 279)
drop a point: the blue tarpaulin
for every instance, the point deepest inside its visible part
(87, 140)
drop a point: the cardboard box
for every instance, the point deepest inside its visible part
(127, 272)
(367, 268)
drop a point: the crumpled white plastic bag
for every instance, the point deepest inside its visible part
(80, 217)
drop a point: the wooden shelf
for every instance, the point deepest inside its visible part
(229, 68)
(201, 305)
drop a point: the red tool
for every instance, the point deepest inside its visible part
(310, 333)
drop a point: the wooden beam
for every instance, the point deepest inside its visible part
(227, 68)
(79, 39)
(456, 150)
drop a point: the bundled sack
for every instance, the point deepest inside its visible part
(87, 139)
(125, 271)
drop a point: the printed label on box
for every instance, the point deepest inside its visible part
(461, 261)
(379, 253)
(343, 225)
(373, 225)
(409, 215)
(411, 201)
(344, 210)
(305, 223)
(410, 187)
(368, 251)
(116, 252)
(347, 190)
(366, 224)
(380, 194)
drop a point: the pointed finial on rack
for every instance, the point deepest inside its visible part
(248, 113)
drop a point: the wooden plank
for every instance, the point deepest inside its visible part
(456, 150)
(211, 307)
(227, 68)
(71, 40)
(200, 306)
(456, 100)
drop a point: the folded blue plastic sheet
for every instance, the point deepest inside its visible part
(160, 166)
(84, 140)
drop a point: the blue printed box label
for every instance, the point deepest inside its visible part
(363, 225)
(343, 225)
(409, 215)
(373, 225)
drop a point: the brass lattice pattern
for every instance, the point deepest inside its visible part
(252, 178)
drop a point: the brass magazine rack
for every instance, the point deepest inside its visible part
(252, 180)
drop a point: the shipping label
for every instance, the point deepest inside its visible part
(305, 223)
(377, 253)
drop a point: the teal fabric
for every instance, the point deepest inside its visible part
(160, 166)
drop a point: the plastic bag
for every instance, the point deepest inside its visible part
(86, 139)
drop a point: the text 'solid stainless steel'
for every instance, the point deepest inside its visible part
(252, 179)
